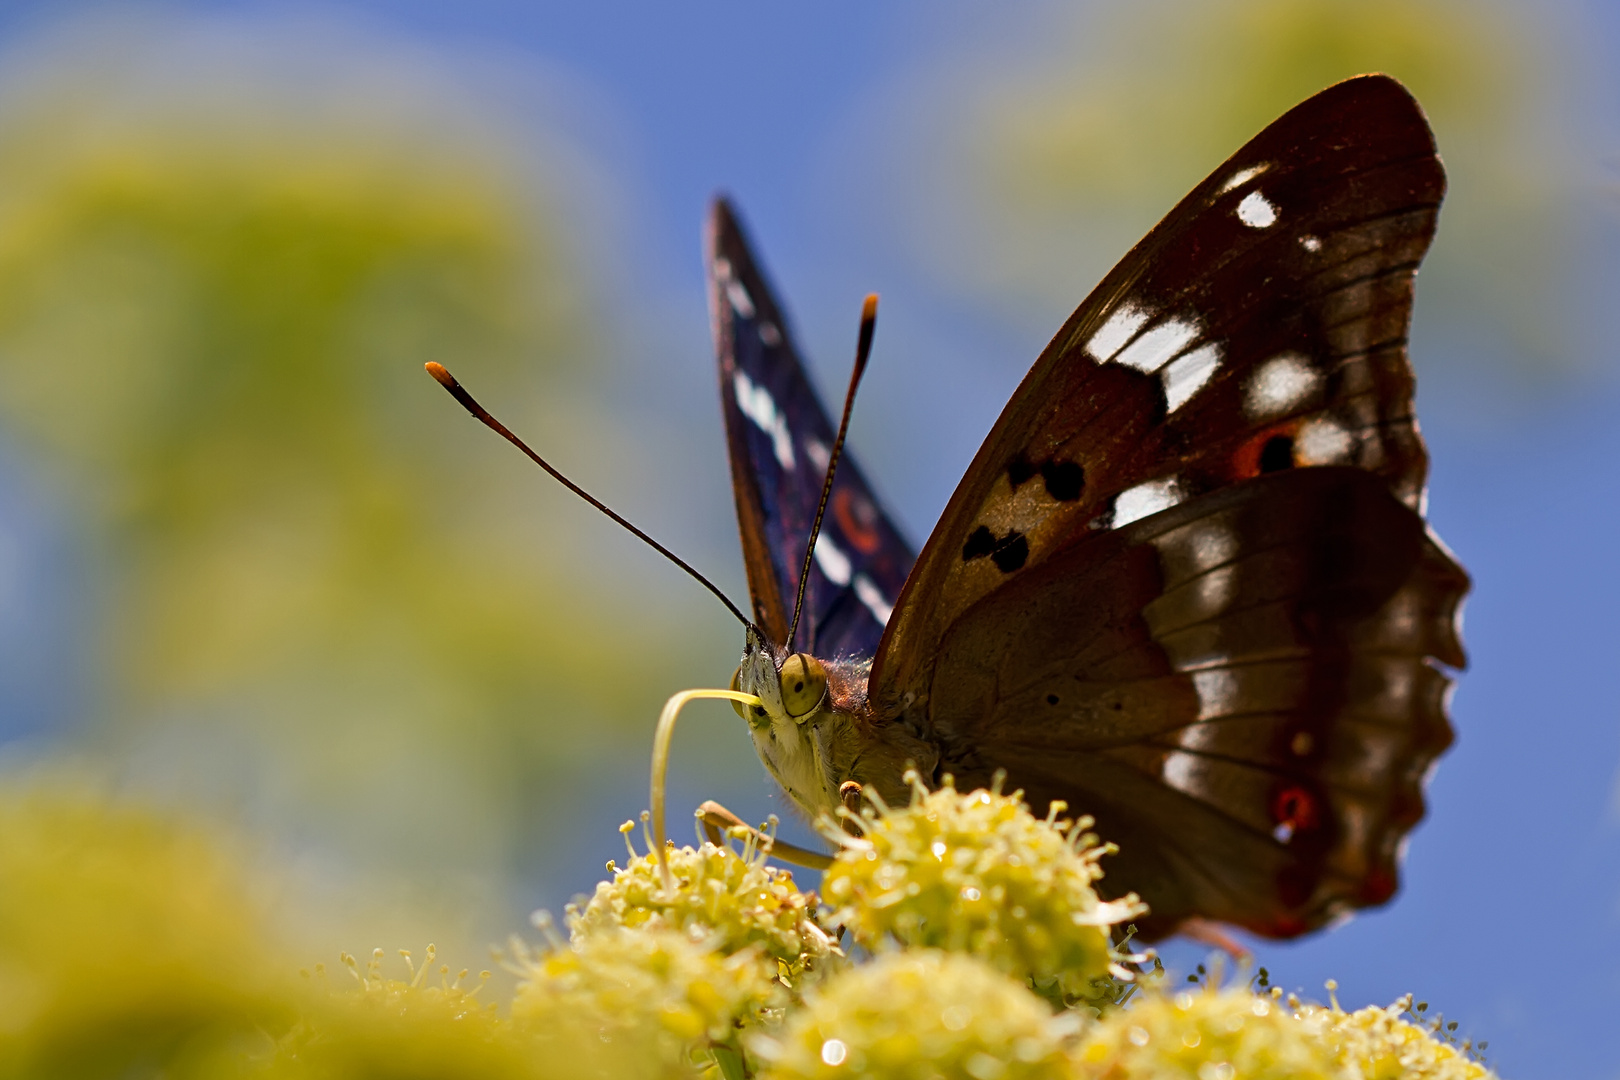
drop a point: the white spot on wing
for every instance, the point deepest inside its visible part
(1187, 374)
(1216, 588)
(1281, 385)
(1242, 176)
(756, 403)
(1217, 689)
(1119, 328)
(1212, 546)
(1398, 689)
(1256, 211)
(1403, 615)
(1181, 771)
(741, 302)
(1196, 737)
(1321, 441)
(1138, 502)
(1310, 243)
(834, 563)
(870, 595)
(817, 452)
(1152, 350)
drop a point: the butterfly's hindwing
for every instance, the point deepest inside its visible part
(1258, 659)
(780, 438)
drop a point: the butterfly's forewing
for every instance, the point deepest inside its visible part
(779, 438)
(1142, 599)
(1262, 322)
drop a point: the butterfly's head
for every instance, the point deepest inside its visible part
(793, 695)
(794, 690)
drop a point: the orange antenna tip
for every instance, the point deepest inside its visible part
(869, 308)
(440, 375)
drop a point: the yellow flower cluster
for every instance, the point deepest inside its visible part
(1208, 1035)
(718, 893)
(1378, 1044)
(1234, 1034)
(131, 946)
(651, 996)
(977, 873)
(921, 1014)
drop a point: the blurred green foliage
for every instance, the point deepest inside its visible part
(326, 596)
(1053, 166)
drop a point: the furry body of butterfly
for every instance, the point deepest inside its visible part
(1185, 586)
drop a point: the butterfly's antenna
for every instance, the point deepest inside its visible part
(863, 350)
(448, 381)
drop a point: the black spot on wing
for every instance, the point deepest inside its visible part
(1008, 552)
(1064, 479)
(1018, 470)
(980, 542)
(1011, 553)
(1277, 454)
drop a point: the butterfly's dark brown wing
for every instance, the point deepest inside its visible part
(779, 438)
(1241, 690)
(1259, 330)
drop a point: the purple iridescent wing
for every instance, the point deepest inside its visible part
(779, 439)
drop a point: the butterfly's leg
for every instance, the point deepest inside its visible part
(849, 793)
(710, 829)
(717, 819)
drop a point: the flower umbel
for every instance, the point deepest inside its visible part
(1378, 1044)
(653, 996)
(735, 899)
(921, 1014)
(978, 873)
(1209, 1034)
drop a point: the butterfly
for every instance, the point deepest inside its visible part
(1186, 584)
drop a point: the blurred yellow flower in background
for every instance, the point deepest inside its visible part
(128, 942)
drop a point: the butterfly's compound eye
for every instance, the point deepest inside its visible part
(804, 684)
(736, 684)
